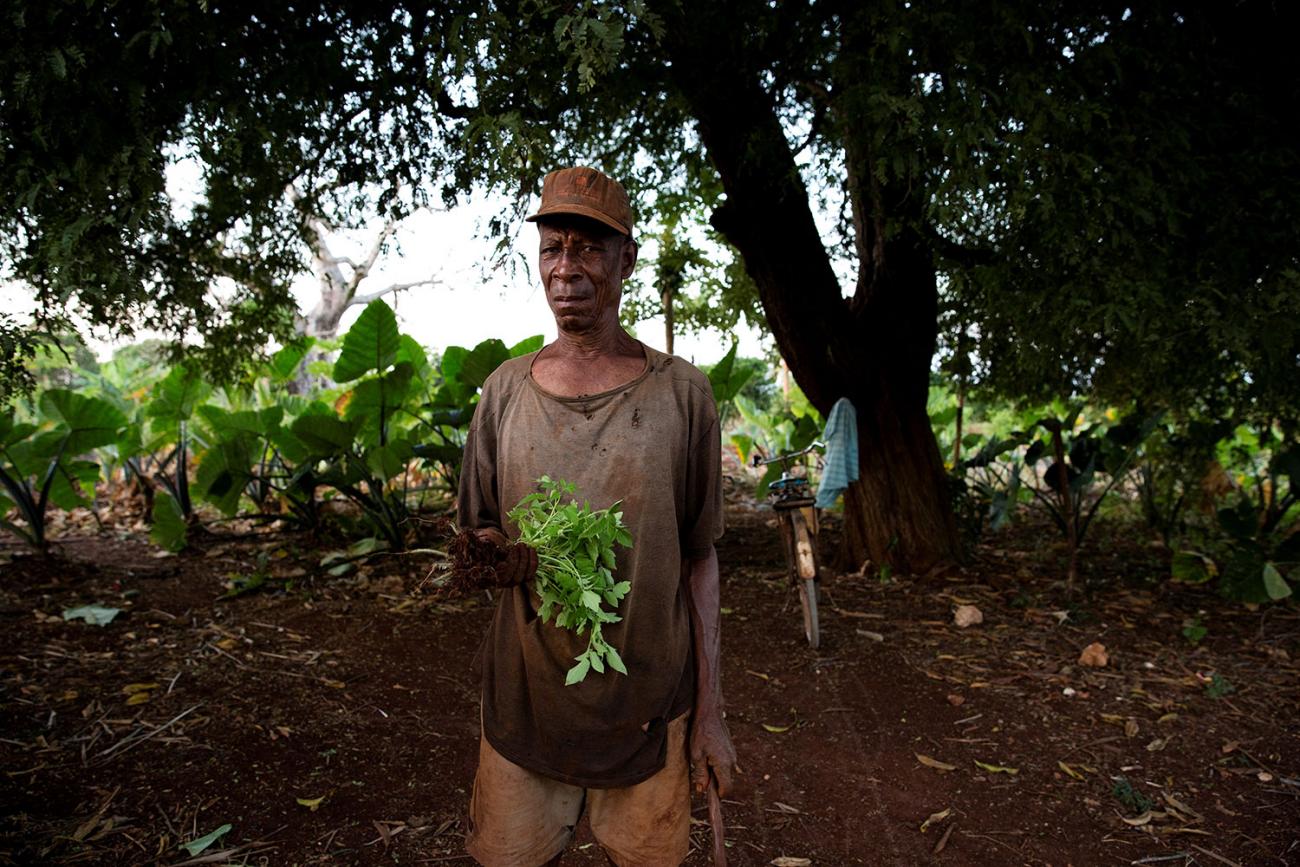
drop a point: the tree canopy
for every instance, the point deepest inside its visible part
(1059, 198)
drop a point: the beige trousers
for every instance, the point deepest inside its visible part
(521, 819)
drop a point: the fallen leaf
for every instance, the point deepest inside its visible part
(1157, 745)
(1169, 717)
(312, 804)
(1131, 728)
(194, 847)
(997, 769)
(786, 808)
(1071, 772)
(1264, 777)
(96, 615)
(776, 730)
(788, 861)
(138, 698)
(967, 615)
(1094, 656)
(936, 817)
(956, 700)
(134, 688)
(934, 763)
(760, 675)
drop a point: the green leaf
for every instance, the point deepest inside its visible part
(324, 434)
(615, 661)
(389, 460)
(527, 345)
(91, 422)
(370, 344)
(195, 847)
(284, 364)
(169, 526)
(579, 672)
(1274, 584)
(482, 360)
(375, 401)
(1193, 567)
(175, 397)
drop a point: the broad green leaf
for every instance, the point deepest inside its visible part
(390, 460)
(168, 523)
(284, 364)
(91, 422)
(527, 345)
(410, 351)
(223, 473)
(375, 401)
(453, 359)
(73, 484)
(324, 434)
(482, 360)
(1274, 584)
(176, 396)
(370, 344)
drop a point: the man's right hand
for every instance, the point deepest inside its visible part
(518, 562)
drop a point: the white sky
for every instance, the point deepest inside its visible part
(470, 303)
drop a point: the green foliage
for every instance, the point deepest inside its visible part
(170, 529)
(1194, 631)
(42, 462)
(1253, 548)
(728, 378)
(1219, 686)
(1131, 797)
(576, 559)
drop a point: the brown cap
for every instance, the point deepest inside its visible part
(587, 193)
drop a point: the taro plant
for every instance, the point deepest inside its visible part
(445, 416)
(172, 403)
(43, 463)
(1255, 553)
(1084, 466)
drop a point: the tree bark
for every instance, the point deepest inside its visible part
(874, 349)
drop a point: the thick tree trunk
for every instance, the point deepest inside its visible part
(874, 349)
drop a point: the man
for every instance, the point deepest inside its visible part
(627, 423)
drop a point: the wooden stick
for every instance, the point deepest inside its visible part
(715, 822)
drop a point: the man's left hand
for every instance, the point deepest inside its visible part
(711, 750)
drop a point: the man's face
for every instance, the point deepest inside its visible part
(583, 267)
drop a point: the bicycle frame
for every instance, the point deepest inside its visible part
(797, 514)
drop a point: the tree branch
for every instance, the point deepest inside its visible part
(389, 290)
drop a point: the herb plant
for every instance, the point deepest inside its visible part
(575, 562)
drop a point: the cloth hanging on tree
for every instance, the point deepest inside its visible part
(841, 461)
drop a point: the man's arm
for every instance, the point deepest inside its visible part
(710, 744)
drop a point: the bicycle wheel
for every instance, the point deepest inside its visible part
(805, 560)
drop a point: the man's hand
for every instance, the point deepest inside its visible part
(518, 563)
(711, 750)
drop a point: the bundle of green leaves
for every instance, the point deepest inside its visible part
(575, 562)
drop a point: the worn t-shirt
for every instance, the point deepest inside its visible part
(652, 443)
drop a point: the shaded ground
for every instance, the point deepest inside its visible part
(336, 723)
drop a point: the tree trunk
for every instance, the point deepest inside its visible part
(667, 300)
(874, 349)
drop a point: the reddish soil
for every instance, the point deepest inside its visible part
(353, 695)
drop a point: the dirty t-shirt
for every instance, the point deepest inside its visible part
(652, 443)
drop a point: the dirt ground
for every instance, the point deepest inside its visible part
(335, 722)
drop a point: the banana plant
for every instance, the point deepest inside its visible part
(44, 463)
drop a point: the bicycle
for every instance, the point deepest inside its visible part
(794, 504)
